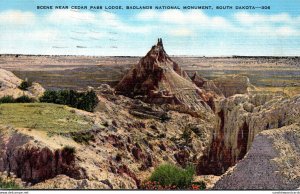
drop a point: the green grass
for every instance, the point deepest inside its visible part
(168, 174)
(8, 184)
(43, 116)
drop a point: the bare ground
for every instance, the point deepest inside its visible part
(78, 72)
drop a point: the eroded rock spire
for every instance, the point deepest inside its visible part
(158, 79)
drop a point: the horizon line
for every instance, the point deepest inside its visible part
(198, 56)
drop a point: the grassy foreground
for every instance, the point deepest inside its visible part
(43, 116)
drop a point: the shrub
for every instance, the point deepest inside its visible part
(83, 138)
(21, 99)
(69, 149)
(89, 101)
(187, 136)
(168, 175)
(81, 100)
(24, 99)
(24, 85)
(7, 99)
(8, 183)
(49, 96)
(164, 118)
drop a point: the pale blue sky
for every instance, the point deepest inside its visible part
(26, 30)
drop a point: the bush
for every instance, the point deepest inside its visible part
(24, 85)
(81, 100)
(8, 184)
(69, 149)
(168, 175)
(24, 99)
(83, 138)
(7, 99)
(164, 118)
(187, 136)
(21, 99)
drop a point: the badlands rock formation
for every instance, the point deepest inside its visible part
(240, 112)
(130, 138)
(207, 85)
(9, 84)
(273, 162)
(229, 124)
(231, 85)
(34, 161)
(240, 119)
(158, 79)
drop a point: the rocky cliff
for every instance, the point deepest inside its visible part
(33, 161)
(272, 162)
(9, 86)
(233, 84)
(240, 119)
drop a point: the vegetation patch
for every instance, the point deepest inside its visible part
(24, 99)
(25, 85)
(7, 99)
(69, 149)
(165, 118)
(83, 137)
(187, 136)
(82, 100)
(168, 176)
(43, 116)
(21, 99)
(8, 183)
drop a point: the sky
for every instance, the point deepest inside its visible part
(24, 29)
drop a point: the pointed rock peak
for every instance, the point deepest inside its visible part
(158, 79)
(157, 52)
(160, 43)
(154, 72)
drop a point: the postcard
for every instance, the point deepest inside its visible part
(149, 95)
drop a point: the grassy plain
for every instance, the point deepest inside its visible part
(43, 116)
